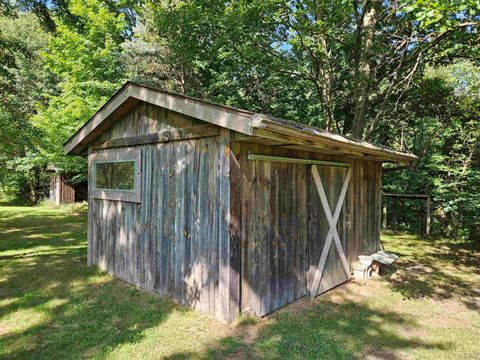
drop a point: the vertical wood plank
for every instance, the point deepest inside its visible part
(235, 230)
(91, 238)
(224, 246)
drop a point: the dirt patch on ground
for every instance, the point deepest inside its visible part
(382, 354)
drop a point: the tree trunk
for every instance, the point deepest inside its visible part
(327, 99)
(324, 76)
(324, 91)
(363, 70)
(31, 186)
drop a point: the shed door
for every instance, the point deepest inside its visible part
(327, 245)
(275, 235)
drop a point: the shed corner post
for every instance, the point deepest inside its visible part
(90, 224)
(228, 249)
(235, 231)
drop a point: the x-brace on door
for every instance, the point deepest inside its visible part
(327, 245)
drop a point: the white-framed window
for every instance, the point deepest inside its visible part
(116, 175)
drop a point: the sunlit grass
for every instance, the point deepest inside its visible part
(52, 306)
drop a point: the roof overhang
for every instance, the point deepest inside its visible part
(307, 136)
(246, 123)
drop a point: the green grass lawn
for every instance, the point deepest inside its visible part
(52, 306)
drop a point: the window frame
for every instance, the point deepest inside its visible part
(117, 156)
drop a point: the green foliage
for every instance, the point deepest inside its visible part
(402, 74)
(309, 61)
(239, 53)
(23, 83)
(86, 58)
(59, 80)
(88, 50)
(443, 14)
(443, 118)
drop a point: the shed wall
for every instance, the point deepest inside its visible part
(283, 225)
(61, 192)
(222, 233)
(176, 240)
(274, 231)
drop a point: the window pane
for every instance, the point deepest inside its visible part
(115, 175)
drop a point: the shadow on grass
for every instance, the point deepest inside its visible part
(436, 268)
(464, 253)
(52, 306)
(26, 228)
(13, 201)
(323, 329)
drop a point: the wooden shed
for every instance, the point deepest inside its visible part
(226, 210)
(63, 191)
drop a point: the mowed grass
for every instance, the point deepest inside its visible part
(52, 306)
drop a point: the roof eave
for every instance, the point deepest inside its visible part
(333, 140)
(78, 142)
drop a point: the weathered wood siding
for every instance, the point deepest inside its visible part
(274, 232)
(61, 192)
(333, 274)
(364, 208)
(222, 233)
(176, 240)
(283, 226)
(146, 118)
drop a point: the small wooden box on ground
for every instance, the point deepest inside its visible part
(361, 272)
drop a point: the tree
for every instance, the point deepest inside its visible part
(48, 94)
(86, 59)
(443, 126)
(352, 56)
(47, 10)
(23, 83)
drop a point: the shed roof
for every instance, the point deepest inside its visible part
(247, 124)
